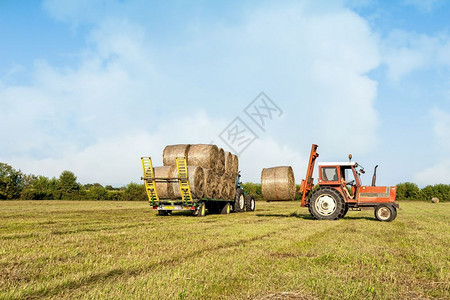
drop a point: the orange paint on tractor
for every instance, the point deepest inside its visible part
(340, 189)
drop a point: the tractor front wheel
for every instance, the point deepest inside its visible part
(327, 204)
(385, 213)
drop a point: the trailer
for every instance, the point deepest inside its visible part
(198, 207)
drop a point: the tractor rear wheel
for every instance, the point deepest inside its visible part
(326, 204)
(239, 201)
(345, 211)
(385, 213)
(250, 203)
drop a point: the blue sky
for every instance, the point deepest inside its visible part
(91, 86)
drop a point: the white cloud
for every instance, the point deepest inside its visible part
(440, 171)
(130, 95)
(406, 52)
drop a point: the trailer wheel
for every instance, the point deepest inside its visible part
(239, 201)
(226, 209)
(385, 213)
(250, 203)
(201, 210)
(326, 204)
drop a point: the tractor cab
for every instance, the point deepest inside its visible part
(341, 174)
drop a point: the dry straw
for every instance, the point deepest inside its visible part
(278, 183)
(235, 167)
(196, 182)
(171, 153)
(220, 163)
(434, 200)
(209, 184)
(164, 188)
(203, 155)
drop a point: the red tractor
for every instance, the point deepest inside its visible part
(340, 189)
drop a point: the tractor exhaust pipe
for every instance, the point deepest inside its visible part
(374, 178)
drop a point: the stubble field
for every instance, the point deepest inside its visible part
(122, 250)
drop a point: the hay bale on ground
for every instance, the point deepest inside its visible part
(434, 200)
(278, 183)
(171, 153)
(196, 182)
(203, 155)
(164, 189)
(220, 163)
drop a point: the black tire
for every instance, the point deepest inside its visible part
(239, 201)
(226, 209)
(345, 211)
(164, 212)
(385, 213)
(326, 203)
(201, 210)
(250, 203)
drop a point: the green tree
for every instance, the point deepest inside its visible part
(407, 190)
(134, 192)
(40, 188)
(11, 182)
(68, 187)
(441, 191)
(254, 189)
(97, 192)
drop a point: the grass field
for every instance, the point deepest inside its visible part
(122, 250)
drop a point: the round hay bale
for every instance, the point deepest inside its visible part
(196, 182)
(235, 168)
(232, 190)
(171, 153)
(434, 200)
(228, 162)
(164, 189)
(220, 163)
(222, 190)
(215, 185)
(209, 184)
(203, 155)
(278, 183)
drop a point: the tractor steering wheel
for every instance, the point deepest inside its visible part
(351, 182)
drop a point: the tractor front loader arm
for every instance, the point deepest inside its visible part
(308, 183)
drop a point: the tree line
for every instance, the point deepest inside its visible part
(16, 185)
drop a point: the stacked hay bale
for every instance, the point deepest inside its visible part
(212, 171)
(171, 153)
(196, 180)
(164, 189)
(278, 183)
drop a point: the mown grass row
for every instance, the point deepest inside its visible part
(57, 249)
